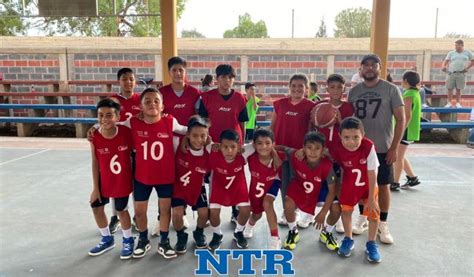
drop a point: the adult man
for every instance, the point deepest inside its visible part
(456, 64)
(375, 102)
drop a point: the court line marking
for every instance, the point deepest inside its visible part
(24, 157)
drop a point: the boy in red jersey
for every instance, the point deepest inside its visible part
(290, 122)
(155, 168)
(228, 187)
(189, 185)
(357, 158)
(264, 185)
(305, 189)
(111, 148)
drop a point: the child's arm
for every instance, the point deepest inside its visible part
(321, 216)
(95, 194)
(273, 122)
(372, 165)
(248, 150)
(178, 128)
(408, 102)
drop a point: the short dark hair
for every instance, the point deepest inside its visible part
(150, 90)
(197, 121)
(459, 41)
(109, 103)
(225, 69)
(264, 133)
(371, 57)
(176, 60)
(313, 86)
(207, 80)
(123, 71)
(351, 123)
(300, 76)
(229, 134)
(249, 85)
(412, 78)
(314, 137)
(336, 78)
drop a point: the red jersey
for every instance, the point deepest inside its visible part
(154, 157)
(355, 180)
(262, 177)
(305, 186)
(223, 114)
(129, 106)
(332, 133)
(292, 122)
(190, 171)
(115, 166)
(228, 185)
(181, 107)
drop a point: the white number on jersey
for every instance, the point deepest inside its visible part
(231, 179)
(115, 166)
(185, 178)
(153, 150)
(128, 115)
(331, 132)
(260, 190)
(308, 187)
(358, 183)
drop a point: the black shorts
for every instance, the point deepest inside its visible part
(405, 140)
(141, 192)
(249, 134)
(385, 171)
(201, 202)
(120, 203)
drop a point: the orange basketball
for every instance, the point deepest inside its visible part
(324, 115)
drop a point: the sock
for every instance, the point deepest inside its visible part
(329, 228)
(199, 230)
(144, 234)
(127, 233)
(383, 216)
(361, 208)
(292, 225)
(105, 231)
(164, 236)
(274, 233)
(180, 231)
(239, 228)
(217, 230)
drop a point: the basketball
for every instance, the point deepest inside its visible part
(324, 115)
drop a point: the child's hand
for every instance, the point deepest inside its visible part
(94, 196)
(215, 147)
(90, 133)
(208, 140)
(276, 159)
(373, 205)
(140, 115)
(319, 221)
(338, 116)
(299, 154)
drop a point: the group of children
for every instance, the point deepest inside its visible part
(170, 140)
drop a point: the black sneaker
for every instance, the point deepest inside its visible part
(411, 182)
(114, 224)
(395, 186)
(215, 242)
(235, 214)
(165, 250)
(241, 241)
(200, 239)
(143, 246)
(134, 224)
(181, 243)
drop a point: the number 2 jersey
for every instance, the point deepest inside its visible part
(129, 107)
(191, 167)
(114, 160)
(355, 165)
(304, 188)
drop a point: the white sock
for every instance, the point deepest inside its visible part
(105, 231)
(127, 233)
(292, 225)
(217, 230)
(239, 228)
(329, 228)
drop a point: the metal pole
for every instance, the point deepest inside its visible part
(292, 23)
(436, 24)
(379, 32)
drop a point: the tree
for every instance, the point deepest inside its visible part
(247, 29)
(322, 30)
(456, 35)
(191, 34)
(353, 23)
(124, 24)
(10, 20)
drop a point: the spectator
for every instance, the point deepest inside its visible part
(207, 83)
(356, 78)
(313, 92)
(252, 108)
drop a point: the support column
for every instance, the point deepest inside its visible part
(427, 66)
(244, 68)
(330, 65)
(379, 32)
(168, 35)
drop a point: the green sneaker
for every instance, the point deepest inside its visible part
(292, 239)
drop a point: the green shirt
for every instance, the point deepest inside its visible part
(251, 112)
(314, 97)
(413, 127)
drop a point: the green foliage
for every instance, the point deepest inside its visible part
(10, 21)
(456, 35)
(353, 23)
(247, 29)
(322, 33)
(191, 34)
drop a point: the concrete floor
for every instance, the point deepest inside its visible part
(47, 226)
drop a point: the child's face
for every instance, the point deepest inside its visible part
(351, 139)
(229, 149)
(313, 151)
(225, 82)
(197, 137)
(250, 91)
(127, 82)
(405, 84)
(177, 73)
(263, 146)
(107, 117)
(297, 89)
(152, 104)
(335, 90)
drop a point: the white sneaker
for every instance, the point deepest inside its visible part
(458, 105)
(185, 222)
(305, 220)
(361, 225)
(274, 243)
(424, 106)
(447, 105)
(339, 226)
(282, 220)
(248, 231)
(156, 229)
(384, 233)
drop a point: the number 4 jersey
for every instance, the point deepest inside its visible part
(113, 157)
(355, 164)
